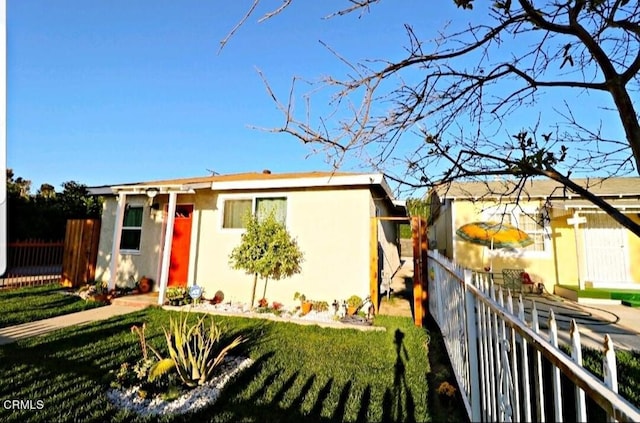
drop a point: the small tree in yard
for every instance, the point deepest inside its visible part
(266, 250)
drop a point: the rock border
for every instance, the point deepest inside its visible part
(193, 400)
(323, 319)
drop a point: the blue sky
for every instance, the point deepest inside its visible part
(105, 92)
(115, 91)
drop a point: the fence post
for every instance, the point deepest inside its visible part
(539, 380)
(526, 386)
(576, 355)
(609, 368)
(472, 348)
(557, 389)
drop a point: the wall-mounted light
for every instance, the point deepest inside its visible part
(152, 192)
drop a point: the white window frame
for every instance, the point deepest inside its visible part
(132, 250)
(515, 211)
(253, 197)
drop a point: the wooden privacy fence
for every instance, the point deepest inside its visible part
(505, 368)
(32, 262)
(80, 252)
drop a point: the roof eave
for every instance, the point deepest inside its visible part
(315, 181)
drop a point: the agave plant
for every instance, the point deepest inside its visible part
(195, 351)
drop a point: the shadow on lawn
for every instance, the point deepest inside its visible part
(266, 394)
(12, 294)
(399, 402)
(72, 370)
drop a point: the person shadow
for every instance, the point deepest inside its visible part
(398, 403)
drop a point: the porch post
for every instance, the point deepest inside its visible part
(374, 283)
(166, 250)
(117, 235)
(576, 220)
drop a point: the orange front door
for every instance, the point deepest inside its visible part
(179, 264)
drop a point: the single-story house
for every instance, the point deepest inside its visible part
(181, 232)
(575, 243)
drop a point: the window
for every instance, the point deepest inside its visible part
(277, 206)
(131, 229)
(235, 211)
(531, 221)
(533, 225)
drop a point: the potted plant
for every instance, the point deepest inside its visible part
(353, 302)
(101, 292)
(320, 306)
(176, 296)
(217, 298)
(145, 285)
(305, 306)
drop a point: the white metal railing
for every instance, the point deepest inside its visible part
(507, 370)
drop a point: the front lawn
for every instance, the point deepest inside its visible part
(29, 304)
(300, 373)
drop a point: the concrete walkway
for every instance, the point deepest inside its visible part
(596, 320)
(41, 327)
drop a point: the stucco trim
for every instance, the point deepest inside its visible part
(338, 180)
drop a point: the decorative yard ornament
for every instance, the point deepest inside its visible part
(195, 292)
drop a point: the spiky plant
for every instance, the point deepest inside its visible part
(195, 351)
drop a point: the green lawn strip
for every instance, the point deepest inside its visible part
(613, 294)
(24, 305)
(627, 366)
(301, 373)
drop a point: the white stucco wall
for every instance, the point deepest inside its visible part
(332, 227)
(332, 230)
(131, 267)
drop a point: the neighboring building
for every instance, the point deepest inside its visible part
(180, 232)
(575, 243)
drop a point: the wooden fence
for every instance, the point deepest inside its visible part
(32, 262)
(506, 369)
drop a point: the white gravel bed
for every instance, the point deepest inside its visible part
(324, 318)
(245, 310)
(192, 400)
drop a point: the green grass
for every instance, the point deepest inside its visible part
(628, 367)
(630, 295)
(628, 370)
(24, 305)
(300, 373)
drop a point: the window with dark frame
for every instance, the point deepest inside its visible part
(131, 229)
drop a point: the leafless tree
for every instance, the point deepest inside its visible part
(444, 112)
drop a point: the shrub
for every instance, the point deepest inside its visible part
(320, 306)
(178, 296)
(196, 350)
(354, 301)
(266, 250)
(141, 372)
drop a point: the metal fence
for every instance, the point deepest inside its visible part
(506, 369)
(32, 262)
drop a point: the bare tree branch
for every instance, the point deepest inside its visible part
(445, 110)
